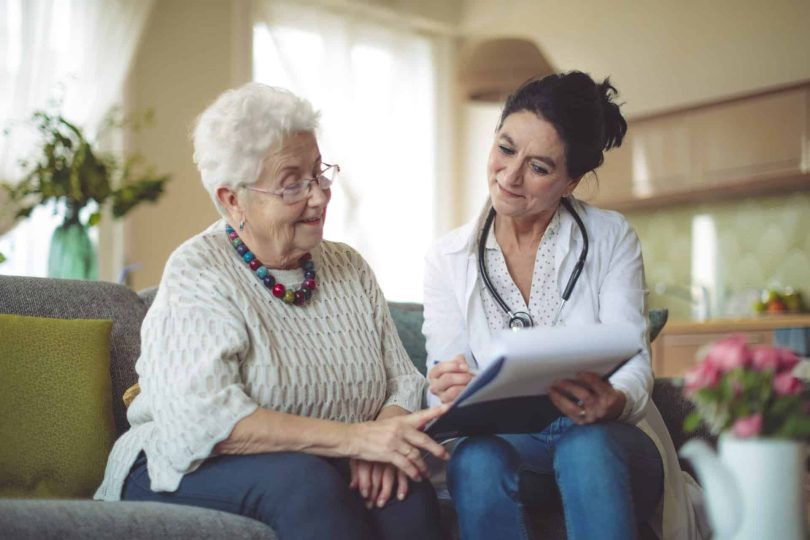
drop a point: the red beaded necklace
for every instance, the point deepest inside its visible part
(300, 296)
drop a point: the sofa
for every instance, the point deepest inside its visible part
(67, 519)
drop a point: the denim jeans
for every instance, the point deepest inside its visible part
(608, 477)
(298, 495)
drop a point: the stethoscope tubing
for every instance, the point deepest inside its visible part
(522, 319)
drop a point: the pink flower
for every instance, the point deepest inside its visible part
(785, 384)
(749, 426)
(765, 358)
(787, 359)
(703, 375)
(729, 353)
(769, 358)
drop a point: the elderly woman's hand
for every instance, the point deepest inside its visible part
(398, 441)
(449, 378)
(376, 481)
(587, 398)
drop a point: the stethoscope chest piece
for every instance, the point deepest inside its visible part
(520, 320)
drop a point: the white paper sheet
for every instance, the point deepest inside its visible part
(536, 357)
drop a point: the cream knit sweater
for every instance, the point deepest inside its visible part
(216, 345)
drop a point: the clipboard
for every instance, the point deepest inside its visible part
(510, 394)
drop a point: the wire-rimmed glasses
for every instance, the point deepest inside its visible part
(298, 191)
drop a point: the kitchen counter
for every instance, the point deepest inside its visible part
(675, 350)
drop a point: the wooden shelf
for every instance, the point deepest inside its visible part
(675, 350)
(742, 188)
(763, 322)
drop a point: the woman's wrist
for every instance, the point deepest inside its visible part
(391, 411)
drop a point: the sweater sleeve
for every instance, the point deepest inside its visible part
(405, 385)
(193, 340)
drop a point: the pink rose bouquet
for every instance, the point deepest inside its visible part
(749, 390)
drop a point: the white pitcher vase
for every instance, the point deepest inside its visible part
(754, 488)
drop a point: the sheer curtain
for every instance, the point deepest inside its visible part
(76, 52)
(375, 87)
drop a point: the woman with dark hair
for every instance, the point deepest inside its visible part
(608, 458)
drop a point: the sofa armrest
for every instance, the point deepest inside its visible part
(73, 520)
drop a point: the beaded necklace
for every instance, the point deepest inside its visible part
(300, 296)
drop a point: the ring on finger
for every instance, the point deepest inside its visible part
(582, 413)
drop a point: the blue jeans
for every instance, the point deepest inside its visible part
(298, 495)
(608, 476)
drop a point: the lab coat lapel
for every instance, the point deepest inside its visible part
(479, 333)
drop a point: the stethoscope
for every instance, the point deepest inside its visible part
(521, 319)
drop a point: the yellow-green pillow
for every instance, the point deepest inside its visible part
(56, 421)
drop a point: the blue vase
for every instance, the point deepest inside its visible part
(72, 254)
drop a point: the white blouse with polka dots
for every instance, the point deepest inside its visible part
(544, 298)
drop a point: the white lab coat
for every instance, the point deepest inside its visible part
(611, 288)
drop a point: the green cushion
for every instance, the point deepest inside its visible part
(56, 405)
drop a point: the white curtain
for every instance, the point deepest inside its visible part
(76, 52)
(374, 84)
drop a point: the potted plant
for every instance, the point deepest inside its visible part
(749, 396)
(71, 171)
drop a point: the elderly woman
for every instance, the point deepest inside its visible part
(608, 458)
(272, 378)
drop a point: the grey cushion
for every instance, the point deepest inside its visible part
(71, 299)
(148, 296)
(408, 319)
(75, 520)
(658, 318)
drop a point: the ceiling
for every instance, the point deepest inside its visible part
(660, 54)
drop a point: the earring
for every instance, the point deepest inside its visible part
(242, 225)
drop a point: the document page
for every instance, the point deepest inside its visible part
(534, 358)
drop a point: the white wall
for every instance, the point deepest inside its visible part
(185, 60)
(661, 54)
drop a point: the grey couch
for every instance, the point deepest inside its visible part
(45, 519)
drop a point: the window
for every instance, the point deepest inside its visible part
(77, 52)
(375, 88)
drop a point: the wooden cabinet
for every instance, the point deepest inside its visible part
(756, 137)
(676, 348)
(662, 159)
(674, 354)
(613, 182)
(744, 146)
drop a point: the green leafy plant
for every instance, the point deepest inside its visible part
(71, 169)
(750, 391)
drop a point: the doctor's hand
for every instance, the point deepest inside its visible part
(449, 378)
(587, 398)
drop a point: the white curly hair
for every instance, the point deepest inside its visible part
(233, 135)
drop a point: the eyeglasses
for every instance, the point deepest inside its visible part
(297, 192)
